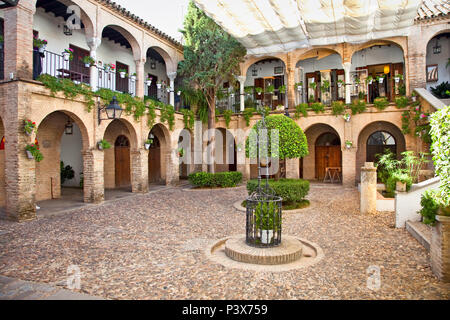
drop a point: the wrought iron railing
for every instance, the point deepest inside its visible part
(113, 80)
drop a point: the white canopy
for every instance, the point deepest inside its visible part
(271, 26)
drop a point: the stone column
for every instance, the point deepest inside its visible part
(242, 91)
(172, 76)
(347, 66)
(417, 76)
(293, 168)
(139, 171)
(368, 189)
(140, 79)
(290, 88)
(172, 166)
(440, 248)
(18, 39)
(93, 44)
(93, 176)
(349, 167)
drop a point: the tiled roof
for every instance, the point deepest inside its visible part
(123, 11)
(433, 9)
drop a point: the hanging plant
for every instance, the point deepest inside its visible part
(103, 145)
(188, 118)
(270, 89)
(282, 89)
(181, 152)
(29, 127)
(248, 90)
(348, 144)
(369, 80)
(88, 61)
(248, 113)
(122, 73)
(337, 108)
(340, 83)
(133, 77)
(401, 102)
(301, 109)
(406, 117)
(148, 143)
(33, 152)
(39, 44)
(380, 79)
(381, 103)
(398, 77)
(148, 82)
(347, 117)
(68, 54)
(258, 90)
(325, 86)
(357, 81)
(299, 86)
(313, 85)
(110, 67)
(227, 117)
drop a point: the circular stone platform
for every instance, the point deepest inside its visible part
(290, 250)
(311, 254)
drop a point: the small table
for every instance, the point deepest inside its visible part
(73, 75)
(332, 174)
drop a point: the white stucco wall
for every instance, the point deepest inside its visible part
(264, 70)
(333, 61)
(377, 55)
(440, 59)
(71, 146)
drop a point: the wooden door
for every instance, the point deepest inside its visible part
(77, 65)
(312, 77)
(259, 83)
(327, 156)
(121, 84)
(153, 89)
(154, 161)
(122, 161)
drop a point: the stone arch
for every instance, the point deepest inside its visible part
(401, 44)
(320, 53)
(186, 142)
(2, 164)
(252, 60)
(311, 164)
(171, 63)
(124, 31)
(160, 153)
(226, 153)
(429, 34)
(115, 129)
(50, 133)
(367, 131)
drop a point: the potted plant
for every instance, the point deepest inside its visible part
(282, 89)
(267, 220)
(88, 61)
(148, 143)
(40, 44)
(348, 144)
(325, 86)
(29, 127)
(380, 79)
(109, 67)
(133, 77)
(347, 117)
(68, 54)
(299, 86)
(270, 89)
(369, 79)
(181, 152)
(340, 83)
(357, 81)
(159, 84)
(33, 152)
(103, 145)
(179, 92)
(258, 90)
(122, 73)
(148, 82)
(313, 85)
(414, 96)
(398, 77)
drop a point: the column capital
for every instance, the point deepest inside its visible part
(172, 75)
(347, 65)
(93, 43)
(140, 61)
(241, 79)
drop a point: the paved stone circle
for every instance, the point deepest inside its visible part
(290, 250)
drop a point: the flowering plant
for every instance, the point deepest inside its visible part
(348, 144)
(88, 60)
(39, 43)
(29, 127)
(35, 152)
(347, 117)
(68, 52)
(110, 66)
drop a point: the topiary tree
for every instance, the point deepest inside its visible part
(291, 142)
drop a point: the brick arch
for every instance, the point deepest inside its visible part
(429, 34)
(401, 44)
(2, 166)
(159, 158)
(171, 63)
(132, 40)
(312, 133)
(367, 131)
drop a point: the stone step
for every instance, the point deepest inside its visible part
(420, 232)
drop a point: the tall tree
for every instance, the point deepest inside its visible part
(211, 58)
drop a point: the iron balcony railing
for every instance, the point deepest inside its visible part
(115, 81)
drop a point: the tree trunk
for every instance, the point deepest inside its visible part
(212, 136)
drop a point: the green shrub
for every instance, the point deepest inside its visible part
(430, 207)
(301, 109)
(317, 107)
(291, 190)
(401, 102)
(220, 179)
(266, 216)
(338, 108)
(358, 106)
(381, 103)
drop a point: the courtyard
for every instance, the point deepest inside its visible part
(153, 246)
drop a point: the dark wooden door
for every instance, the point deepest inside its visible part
(122, 162)
(327, 156)
(153, 90)
(310, 91)
(154, 161)
(77, 65)
(121, 84)
(259, 83)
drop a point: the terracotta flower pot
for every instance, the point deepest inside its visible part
(401, 186)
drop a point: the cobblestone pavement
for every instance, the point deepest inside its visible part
(152, 247)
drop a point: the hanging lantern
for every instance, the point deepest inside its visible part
(386, 69)
(67, 31)
(68, 129)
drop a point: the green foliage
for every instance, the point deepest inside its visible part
(270, 89)
(104, 144)
(202, 114)
(248, 113)
(337, 108)
(291, 144)
(282, 89)
(381, 103)
(67, 172)
(188, 118)
(37, 154)
(430, 206)
(406, 118)
(318, 107)
(440, 133)
(290, 190)
(220, 179)
(267, 217)
(441, 91)
(358, 106)
(301, 109)
(401, 102)
(227, 117)
(249, 89)
(325, 86)
(168, 115)
(258, 90)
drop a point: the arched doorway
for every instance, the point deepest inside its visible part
(122, 161)
(226, 153)
(156, 69)
(154, 161)
(438, 70)
(185, 145)
(158, 154)
(328, 153)
(378, 143)
(2, 164)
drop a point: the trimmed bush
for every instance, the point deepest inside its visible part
(291, 190)
(430, 206)
(220, 179)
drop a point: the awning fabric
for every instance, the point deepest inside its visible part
(271, 26)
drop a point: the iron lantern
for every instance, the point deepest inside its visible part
(113, 110)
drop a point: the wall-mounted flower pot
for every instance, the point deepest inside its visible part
(381, 80)
(133, 78)
(147, 146)
(158, 85)
(401, 186)
(66, 56)
(148, 83)
(42, 49)
(122, 75)
(29, 155)
(99, 146)
(397, 79)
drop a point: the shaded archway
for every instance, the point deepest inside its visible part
(226, 153)
(117, 159)
(156, 69)
(325, 151)
(376, 137)
(61, 137)
(378, 59)
(159, 154)
(2, 165)
(438, 70)
(185, 153)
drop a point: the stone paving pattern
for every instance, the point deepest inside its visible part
(152, 247)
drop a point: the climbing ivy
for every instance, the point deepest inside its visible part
(188, 118)
(227, 117)
(248, 113)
